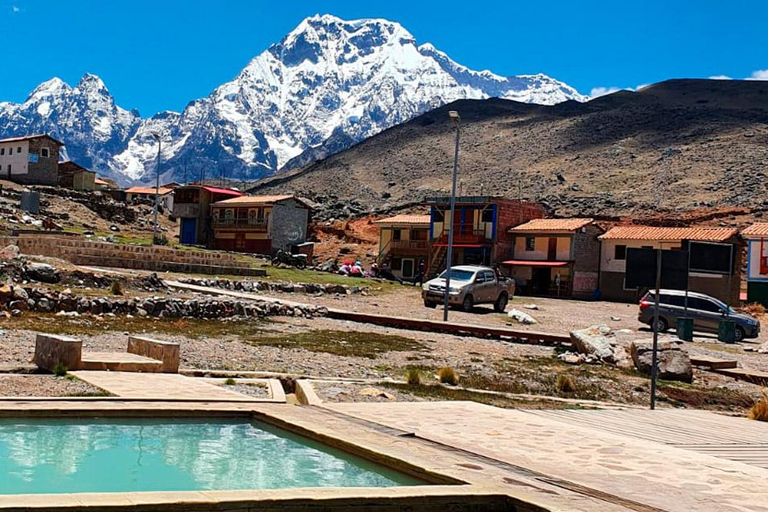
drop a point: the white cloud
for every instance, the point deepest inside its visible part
(720, 77)
(596, 92)
(16, 8)
(760, 74)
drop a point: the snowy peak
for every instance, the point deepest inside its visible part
(327, 85)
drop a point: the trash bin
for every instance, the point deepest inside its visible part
(685, 329)
(726, 331)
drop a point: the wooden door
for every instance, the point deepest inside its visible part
(552, 249)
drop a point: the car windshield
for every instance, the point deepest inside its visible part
(458, 275)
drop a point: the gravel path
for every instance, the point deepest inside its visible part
(45, 386)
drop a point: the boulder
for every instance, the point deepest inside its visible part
(42, 272)
(673, 362)
(595, 340)
(5, 292)
(9, 253)
(521, 317)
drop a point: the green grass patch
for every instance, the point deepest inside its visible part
(342, 343)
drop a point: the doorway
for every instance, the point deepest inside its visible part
(552, 249)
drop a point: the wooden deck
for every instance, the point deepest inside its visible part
(726, 437)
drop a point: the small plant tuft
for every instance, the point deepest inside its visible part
(230, 382)
(565, 384)
(59, 370)
(448, 376)
(759, 411)
(413, 377)
(116, 288)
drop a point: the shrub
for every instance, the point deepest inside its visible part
(759, 411)
(59, 370)
(448, 376)
(565, 384)
(116, 288)
(413, 377)
(230, 382)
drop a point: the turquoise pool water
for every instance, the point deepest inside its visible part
(124, 455)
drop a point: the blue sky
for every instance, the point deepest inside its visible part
(158, 55)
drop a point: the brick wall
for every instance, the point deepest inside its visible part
(512, 213)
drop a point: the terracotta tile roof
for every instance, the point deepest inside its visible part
(552, 225)
(661, 233)
(148, 190)
(757, 229)
(253, 200)
(405, 219)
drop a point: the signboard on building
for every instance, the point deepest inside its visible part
(641, 269)
(710, 258)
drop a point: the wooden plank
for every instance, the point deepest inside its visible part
(753, 376)
(713, 363)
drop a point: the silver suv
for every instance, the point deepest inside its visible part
(706, 312)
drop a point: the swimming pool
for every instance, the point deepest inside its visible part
(40, 456)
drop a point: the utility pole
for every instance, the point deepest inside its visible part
(157, 188)
(456, 120)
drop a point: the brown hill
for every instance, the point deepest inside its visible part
(672, 147)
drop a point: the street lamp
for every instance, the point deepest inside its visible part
(157, 188)
(456, 120)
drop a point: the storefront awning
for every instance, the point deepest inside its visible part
(529, 263)
(460, 245)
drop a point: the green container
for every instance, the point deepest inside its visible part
(726, 331)
(685, 329)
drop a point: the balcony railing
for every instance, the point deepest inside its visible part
(464, 235)
(254, 223)
(412, 245)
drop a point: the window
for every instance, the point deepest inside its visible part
(397, 234)
(419, 234)
(530, 243)
(397, 264)
(44, 152)
(703, 305)
(2, 151)
(480, 278)
(620, 252)
(18, 149)
(10, 151)
(487, 215)
(489, 276)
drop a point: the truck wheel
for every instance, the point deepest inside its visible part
(501, 303)
(468, 304)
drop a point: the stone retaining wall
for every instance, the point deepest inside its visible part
(140, 257)
(164, 351)
(277, 286)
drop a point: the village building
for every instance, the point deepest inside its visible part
(613, 259)
(260, 224)
(104, 184)
(135, 194)
(557, 257)
(480, 229)
(756, 236)
(192, 206)
(76, 177)
(30, 160)
(404, 243)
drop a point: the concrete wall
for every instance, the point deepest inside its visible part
(43, 172)
(541, 247)
(288, 224)
(18, 160)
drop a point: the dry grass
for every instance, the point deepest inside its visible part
(116, 288)
(565, 384)
(448, 376)
(413, 377)
(754, 309)
(759, 411)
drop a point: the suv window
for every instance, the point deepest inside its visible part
(673, 300)
(703, 305)
(489, 277)
(480, 277)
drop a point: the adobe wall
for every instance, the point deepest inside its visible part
(139, 257)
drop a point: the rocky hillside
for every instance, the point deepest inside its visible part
(676, 145)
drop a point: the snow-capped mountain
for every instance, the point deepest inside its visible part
(328, 84)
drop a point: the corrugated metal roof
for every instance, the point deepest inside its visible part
(148, 190)
(757, 229)
(670, 234)
(29, 137)
(405, 219)
(572, 224)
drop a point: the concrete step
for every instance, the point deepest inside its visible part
(120, 362)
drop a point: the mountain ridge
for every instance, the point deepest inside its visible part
(327, 84)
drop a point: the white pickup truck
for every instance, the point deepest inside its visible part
(470, 285)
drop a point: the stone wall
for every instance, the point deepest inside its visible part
(155, 258)
(51, 351)
(164, 351)
(46, 170)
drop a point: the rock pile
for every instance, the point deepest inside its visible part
(15, 300)
(673, 363)
(98, 202)
(598, 343)
(277, 286)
